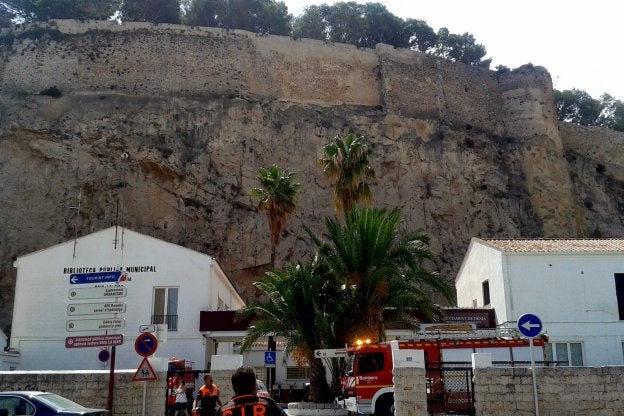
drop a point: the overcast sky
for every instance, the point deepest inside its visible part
(578, 41)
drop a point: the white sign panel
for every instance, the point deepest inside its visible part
(97, 292)
(94, 324)
(331, 353)
(147, 328)
(95, 308)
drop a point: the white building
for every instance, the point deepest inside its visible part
(576, 287)
(72, 294)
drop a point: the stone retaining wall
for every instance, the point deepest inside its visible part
(498, 391)
(91, 389)
(561, 391)
(410, 391)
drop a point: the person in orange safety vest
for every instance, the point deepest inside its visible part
(207, 398)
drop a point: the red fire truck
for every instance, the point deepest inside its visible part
(367, 381)
(179, 370)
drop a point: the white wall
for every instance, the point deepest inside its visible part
(573, 294)
(42, 287)
(480, 264)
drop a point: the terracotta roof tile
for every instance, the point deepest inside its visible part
(546, 245)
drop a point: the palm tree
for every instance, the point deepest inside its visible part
(293, 311)
(363, 279)
(378, 274)
(277, 198)
(346, 162)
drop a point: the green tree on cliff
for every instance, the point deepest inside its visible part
(154, 11)
(211, 13)
(260, 16)
(43, 10)
(310, 24)
(365, 25)
(460, 48)
(277, 197)
(613, 112)
(578, 107)
(346, 161)
(421, 36)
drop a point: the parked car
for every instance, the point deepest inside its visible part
(40, 403)
(262, 390)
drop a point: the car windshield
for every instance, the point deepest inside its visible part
(58, 402)
(261, 386)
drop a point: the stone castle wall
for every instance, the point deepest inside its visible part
(175, 60)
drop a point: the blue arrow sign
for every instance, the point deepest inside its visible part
(269, 358)
(102, 277)
(529, 325)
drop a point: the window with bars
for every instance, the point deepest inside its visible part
(565, 353)
(165, 307)
(297, 373)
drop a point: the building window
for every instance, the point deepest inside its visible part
(565, 353)
(297, 373)
(486, 292)
(619, 293)
(165, 310)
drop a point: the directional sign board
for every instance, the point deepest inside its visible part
(331, 353)
(529, 325)
(93, 341)
(95, 308)
(101, 277)
(145, 344)
(270, 358)
(94, 324)
(97, 292)
(145, 372)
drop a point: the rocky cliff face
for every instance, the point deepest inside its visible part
(162, 129)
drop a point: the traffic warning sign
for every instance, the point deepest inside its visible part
(145, 372)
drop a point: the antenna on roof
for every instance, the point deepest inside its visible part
(76, 222)
(116, 240)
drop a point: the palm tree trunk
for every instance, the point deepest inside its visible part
(319, 389)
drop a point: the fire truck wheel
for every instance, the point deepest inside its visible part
(385, 406)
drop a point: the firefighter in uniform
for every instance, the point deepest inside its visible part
(207, 398)
(246, 402)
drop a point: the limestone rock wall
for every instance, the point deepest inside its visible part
(171, 123)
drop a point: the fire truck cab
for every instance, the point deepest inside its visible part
(367, 380)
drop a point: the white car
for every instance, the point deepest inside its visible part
(262, 390)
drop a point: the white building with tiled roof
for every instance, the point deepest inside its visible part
(575, 286)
